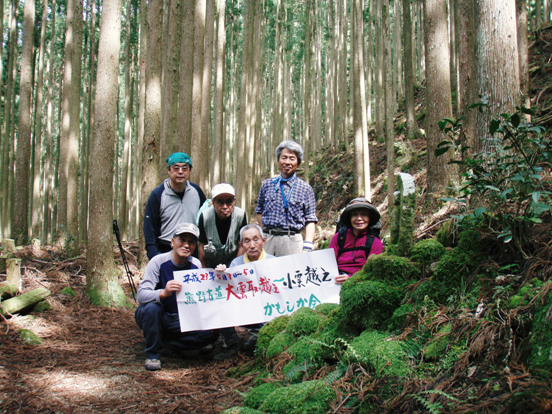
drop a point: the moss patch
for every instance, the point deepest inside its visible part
(42, 306)
(310, 397)
(541, 339)
(269, 331)
(304, 321)
(241, 410)
(258, 395)
(29, 337)
(388, 268)
(427, 251)
(436, 348)
(279, 343)
(382, 356)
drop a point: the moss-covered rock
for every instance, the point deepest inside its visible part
(304, 321)
(241, 410)
(541, 338)
(269, 331)
(335, 326)
(453, 270)
(326, 308)
(257, 396)
(437, 346)
(383, 357)
(427, 251)
(308, 355)
(446, 233)
(368, 304)
(310, 397)
(388, 268)
(29, 337)
(279, 343)
(42, 306)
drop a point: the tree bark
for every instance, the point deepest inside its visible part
(102, 285)
(525, 86)
(21, 199)
(438, 90)
(220, 68)
(185, 102)
(412, 130)
(498, 64)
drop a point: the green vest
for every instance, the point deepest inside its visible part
(214, 252)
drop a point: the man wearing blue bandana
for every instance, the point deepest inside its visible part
(175, 201)
(286, 205)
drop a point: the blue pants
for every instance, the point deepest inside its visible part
(163, 329)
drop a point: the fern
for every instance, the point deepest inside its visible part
(433, 408)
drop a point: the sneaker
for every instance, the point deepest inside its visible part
(153, 365)
(229, 352)
(207, 349)
(249, 346)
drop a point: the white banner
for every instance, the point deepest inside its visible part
(256, 292)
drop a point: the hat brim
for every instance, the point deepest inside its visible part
(373, 213)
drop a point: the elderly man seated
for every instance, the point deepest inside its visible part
(157, 314)
(252, 240)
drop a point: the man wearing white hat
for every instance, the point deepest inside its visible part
(157, 314)
(219, 228)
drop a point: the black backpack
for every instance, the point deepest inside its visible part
(373, 232)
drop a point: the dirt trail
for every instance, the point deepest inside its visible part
(92, 359)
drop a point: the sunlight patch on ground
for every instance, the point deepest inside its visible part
(63, 384)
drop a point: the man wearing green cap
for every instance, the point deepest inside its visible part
(175, 201)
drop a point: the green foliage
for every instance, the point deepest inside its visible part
(541, 338)
(427, 251)
(526, 293)
(336, 326)
(387, 267)
(29, 337)
(470, 242)
(269, 331)
(304, 321)
(279, 343)
(368, 304)
(310, 397)
(68, 291)
(399, 316)
(436, 348)
(257, 396)
(452, 273)
(435, 407)
(508, 177)
(382, 356)
(445, 234)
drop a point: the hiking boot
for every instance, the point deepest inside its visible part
(207, 349)
(153, 365)
(229, 352)
(249, 346)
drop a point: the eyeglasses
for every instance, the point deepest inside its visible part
(228, 201)
(184, 168)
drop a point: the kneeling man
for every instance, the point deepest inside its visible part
(252, 241)
(157, 314)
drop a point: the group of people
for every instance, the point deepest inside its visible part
(183, 231)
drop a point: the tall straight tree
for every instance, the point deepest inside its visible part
(185, 103)
(199, 148)
(307, 89)
(206, 84)
(220, 64)
(102, 286)
(152, 114)
(497, 63)
(438, 90)
(21, 199)
(412, 130)
(525, 86)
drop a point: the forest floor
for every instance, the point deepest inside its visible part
(92, 359)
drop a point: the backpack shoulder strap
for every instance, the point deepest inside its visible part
(370, 236)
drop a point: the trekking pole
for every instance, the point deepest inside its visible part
(125, 263)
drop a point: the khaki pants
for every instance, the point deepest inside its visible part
(284, 245)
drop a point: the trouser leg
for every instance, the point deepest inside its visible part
(229, 336)
(186, 341)
(149, 317)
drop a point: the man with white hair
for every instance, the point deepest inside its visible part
(286, 205)
(252, 241)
